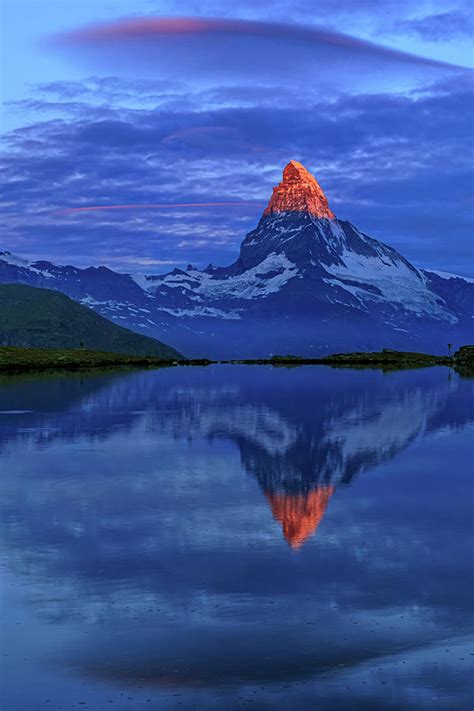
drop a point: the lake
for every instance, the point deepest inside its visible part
(237, 537)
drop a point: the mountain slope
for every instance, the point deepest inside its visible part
(304, 282)
(42, 318)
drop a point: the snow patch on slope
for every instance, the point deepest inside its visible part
(386, 280)
(257, 282)
(10, 258)
(15, 261)
(203, 311)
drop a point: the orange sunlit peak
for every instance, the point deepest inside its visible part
(299, 191)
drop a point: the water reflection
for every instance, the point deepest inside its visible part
(300, 514)
(131, 515)
(299, 447)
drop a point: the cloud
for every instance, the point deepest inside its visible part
(440, 27)
(363, 13)
(205, 50)
(138, 32)
(198, 131)
(398, 166)
(155, 206)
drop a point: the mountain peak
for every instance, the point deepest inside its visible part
(299, 191)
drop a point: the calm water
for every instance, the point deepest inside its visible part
(237, 537)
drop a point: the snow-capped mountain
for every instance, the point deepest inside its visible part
(304, 282)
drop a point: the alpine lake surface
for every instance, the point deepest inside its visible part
(232, 537)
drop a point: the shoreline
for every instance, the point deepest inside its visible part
(15, 360)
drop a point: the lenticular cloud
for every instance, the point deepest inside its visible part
(201, 49)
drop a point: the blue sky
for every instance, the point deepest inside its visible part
(113, 102)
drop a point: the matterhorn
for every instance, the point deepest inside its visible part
(305, 282)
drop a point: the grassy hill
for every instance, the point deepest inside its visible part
(41, 318)
(20, 360)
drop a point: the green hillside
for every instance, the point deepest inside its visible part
(41, 318)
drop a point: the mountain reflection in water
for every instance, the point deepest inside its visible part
(299, 447)
(211, 529)
(300, 514)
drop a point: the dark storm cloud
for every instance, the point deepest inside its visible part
(398, 166)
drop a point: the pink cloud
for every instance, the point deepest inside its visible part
(196, 131)
(155, 206)
(142, 29)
